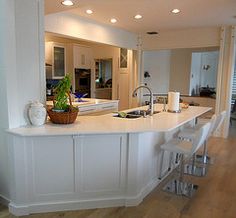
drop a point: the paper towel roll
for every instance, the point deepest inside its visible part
(173, 101)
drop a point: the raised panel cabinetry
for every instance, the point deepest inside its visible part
(101, 165)
(82, 57)
(76, 167)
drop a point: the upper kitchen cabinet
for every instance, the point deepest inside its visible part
(55, 58)
(82, 57)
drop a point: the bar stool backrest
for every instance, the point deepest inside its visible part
(200, 137)
(219, 120)
(213, 122)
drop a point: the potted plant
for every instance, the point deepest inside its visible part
(63, 112)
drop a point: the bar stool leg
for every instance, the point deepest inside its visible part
(195, 170)
(170, 160)
(179, 186)
(161, 165)
(204, 158)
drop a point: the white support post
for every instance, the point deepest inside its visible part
(225, 74)
(140, 66)
(230, 73)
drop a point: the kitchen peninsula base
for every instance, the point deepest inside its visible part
(56, 173)
(83, 165)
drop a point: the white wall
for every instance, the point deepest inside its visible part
(208, 77)
(201, 77)
(184, 38)
(157, 64)
(75, 26)
(180, 71)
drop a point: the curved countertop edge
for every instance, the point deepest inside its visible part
(107, 124)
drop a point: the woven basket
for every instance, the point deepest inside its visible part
(67, 117)
(63, 117)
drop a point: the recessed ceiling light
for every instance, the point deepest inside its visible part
(175, 11)
(138, 16)
(67, 3)
(89, 11)
(113, 20)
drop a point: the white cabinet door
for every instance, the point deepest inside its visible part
(51, 168)
(101, 165)
(82, 57)
(59, 61)
(55, 60)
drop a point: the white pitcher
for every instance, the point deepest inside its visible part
(37, 113)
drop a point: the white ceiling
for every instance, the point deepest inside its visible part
(156, 13)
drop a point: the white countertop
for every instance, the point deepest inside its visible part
(160, 122)
(88, 102)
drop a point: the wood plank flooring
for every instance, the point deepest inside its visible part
(215, 198)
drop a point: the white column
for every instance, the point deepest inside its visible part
(21, 70)
(9, 111)
(140, 67)
(225, 73)
(21, 58)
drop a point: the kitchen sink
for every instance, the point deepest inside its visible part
(142, 112)
(135, 114)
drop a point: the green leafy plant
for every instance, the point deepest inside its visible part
(62, 94)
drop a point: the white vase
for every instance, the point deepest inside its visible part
(37, 113)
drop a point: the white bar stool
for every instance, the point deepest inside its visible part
(184, 148)
(188, 133)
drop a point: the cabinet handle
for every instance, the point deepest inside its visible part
(105, 107)
(92, 109)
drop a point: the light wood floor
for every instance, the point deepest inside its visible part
(215, 198)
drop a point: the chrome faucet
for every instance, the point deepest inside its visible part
(151, 97)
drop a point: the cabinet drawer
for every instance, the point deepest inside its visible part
(108, 106)
(87, 110)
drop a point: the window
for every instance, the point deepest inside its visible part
(234, 87)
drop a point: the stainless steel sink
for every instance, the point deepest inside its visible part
(135, 114)
(127, 116)
(142, 112)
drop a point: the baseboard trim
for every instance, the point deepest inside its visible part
(22, 210)
(136, 200)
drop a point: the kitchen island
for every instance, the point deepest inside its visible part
(99, 161)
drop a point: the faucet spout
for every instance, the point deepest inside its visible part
(151, 97)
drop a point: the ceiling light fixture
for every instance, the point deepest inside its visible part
(175, 11)
(67, 3)
(138, 16)
(89, 11)
(113, 20)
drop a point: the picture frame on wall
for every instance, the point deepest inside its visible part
(123, 58)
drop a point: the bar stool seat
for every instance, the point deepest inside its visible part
(178, 146)
(189, 133)
(185, 149)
